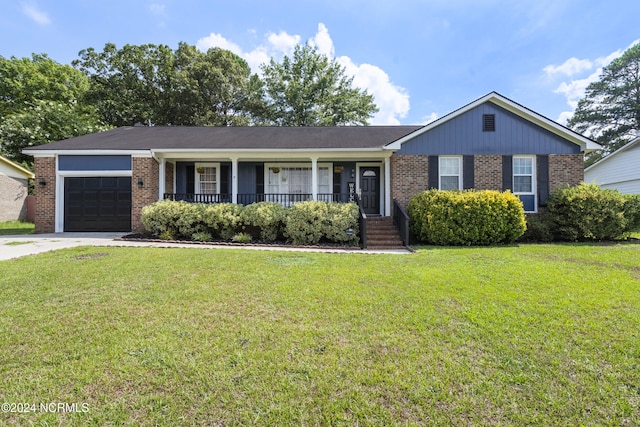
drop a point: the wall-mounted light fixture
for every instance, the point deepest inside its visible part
(140, 183)
(42, 182)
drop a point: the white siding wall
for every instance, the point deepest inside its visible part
(620, 172)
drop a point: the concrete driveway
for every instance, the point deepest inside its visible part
(30, 244)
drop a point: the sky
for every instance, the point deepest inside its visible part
(420, 59)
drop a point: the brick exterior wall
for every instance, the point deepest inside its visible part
(168, 177)
(409, 175)
(565, 169)
(487, 172)
(45, 217)
(145, 168)
(13, 198)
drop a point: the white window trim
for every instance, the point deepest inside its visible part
(268, 166)
(534, 180)
(460, 168)
(206, 165)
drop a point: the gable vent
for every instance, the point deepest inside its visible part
(488, 122)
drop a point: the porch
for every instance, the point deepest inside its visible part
(246, 181)
(249, 198)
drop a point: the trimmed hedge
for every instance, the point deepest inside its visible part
(266, 219)
(307, 223)
(303, 223)
(588, 213)
(466, 218)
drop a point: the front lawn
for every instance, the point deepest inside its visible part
(10, 228)
(528, 335)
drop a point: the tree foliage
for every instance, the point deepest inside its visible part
(153, 84)
(610, 110)
(308, 89)
(41, 101)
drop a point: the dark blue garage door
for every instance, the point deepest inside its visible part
(97, 204)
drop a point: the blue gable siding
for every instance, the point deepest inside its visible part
(463, 135)
(94, 163)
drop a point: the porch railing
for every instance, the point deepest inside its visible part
(362, 223)
(401, 221)
(248, 198)
(198, 198)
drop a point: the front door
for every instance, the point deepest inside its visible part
(370, 189)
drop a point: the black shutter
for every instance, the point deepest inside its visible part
(507, 173)
(224, 180)
(259, 179)
(543, 179)
(433, 172)
(191, 179)
(468, 172)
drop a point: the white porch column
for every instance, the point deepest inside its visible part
(234, 180)
(161, 178)
(314, 178)
(387, 186)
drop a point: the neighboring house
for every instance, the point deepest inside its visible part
(102, 181)
(620, 170)
(14, 188)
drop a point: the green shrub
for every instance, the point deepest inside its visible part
(632, 211)
(304, 222)
(308, 223)
(162, 217)
(168, 234)
(340, 218)
(191, 220)
(223, 219)
(202, 236)
(266, 217)
(242, 238)
(540, 229)
(586, 212)
(466, 217)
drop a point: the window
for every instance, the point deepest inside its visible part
(450, 170)
(207, 178)
(292, 178)
(324, 180)
(488, 122)
(524, 181)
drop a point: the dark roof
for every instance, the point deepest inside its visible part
(230, 138)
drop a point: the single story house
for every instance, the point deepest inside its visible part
(619, 170)
(14, 188)
(101, 182)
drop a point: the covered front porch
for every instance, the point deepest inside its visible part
(277, 177)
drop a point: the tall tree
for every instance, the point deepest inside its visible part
(41, 101)
(610, 109)
(152, 84)
(308, 89)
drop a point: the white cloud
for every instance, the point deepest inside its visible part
(570, 67)
(574, 90)
(430, 118)
(392, 100)
(35, 13)
(283, 43)
(218, 40)
(322, 41)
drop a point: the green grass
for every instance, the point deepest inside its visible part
(528, 335)
(10, 228)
